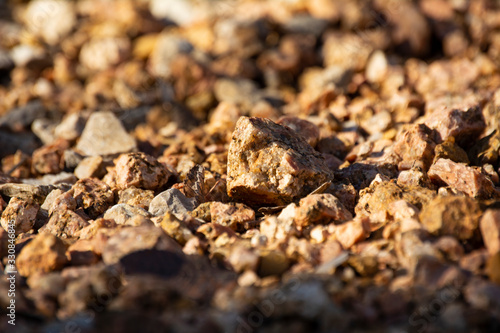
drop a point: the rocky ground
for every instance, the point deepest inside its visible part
(250, 166)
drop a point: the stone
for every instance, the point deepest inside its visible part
(352, 232)
(122, 214)
(452, 215)
(48, 159)
(377, 67)
(37, 193)
(493, 268)
(44, 254)
(416, 147)
(93, 195)
(133, 239)
(101, 53)
(81, 253)
(20, 214)
(232, 215)
(64, 224)
(269, 164)
(414, 177)
(461, 123)
(90, 167)
(302, 127)
(51, 19)
(140, 170)
(490, 230)
(243, 259)
(176, 229)
(168, 47)
(461, 178)
(104, 135)
(173, 201)
(71, 127)
(320, 209)
(136, 197)
(448, 149)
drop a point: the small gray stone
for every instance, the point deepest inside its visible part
(173, 201)
(123, 213)
(104, 135)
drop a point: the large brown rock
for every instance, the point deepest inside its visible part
(140, 170)
(269, 164)
(416, 146)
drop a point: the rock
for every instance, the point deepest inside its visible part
(490, 230)
(62, 180)
(48, 159)
(377, 67)
(93, 195)
(90, 167)
(176, 229)
(37, 193)
(99, 54)
(140, 170)
(414, 177)
(352, 232)
(448, 149)
(243, 259)
(104, 135)
(45, 253)
(50, 19)
(451, 215)
(123, 214)
(81, 253)
(136, 197)
(462, 178)
(132, 239)
(20, 214)
(269, 164)
(173, 201)
(304, 128)
(461, 123)
(493, 268)
(71, 127)
(416, 147)
(232, 215)
(320, 209)
(64, 224)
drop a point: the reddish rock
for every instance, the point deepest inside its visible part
(20, 214)
(140, 170)
(268, 164)
(64, 224)
(48, 159)
(352, 232)
(490, 230)
(320, 208)
(90, 167)
(45, 253)
(302, 127)
(93, 195)
(462, 178)
(415, 146)
(461, 123)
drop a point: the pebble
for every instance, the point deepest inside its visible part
(93, 195)
(90, 167)
(104, 135)
(268, 164)
(172, 201)
(320, 209)
(44, 254)
(232, 215)
(20, 214)
(124, 214)
(140, 170)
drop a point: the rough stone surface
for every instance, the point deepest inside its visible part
(172, 201)
(20, 214)
(320, 209)
(416, 147)
(93, 195)
(302, 127)
(231, 214)
(269, 164)
(140, 170)
(64, 224)
(45, 253)
(462, 178)
(123, 214)
(90, 167)
(136, 197)
(104, 135)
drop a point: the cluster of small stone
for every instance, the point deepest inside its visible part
(251, 166)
